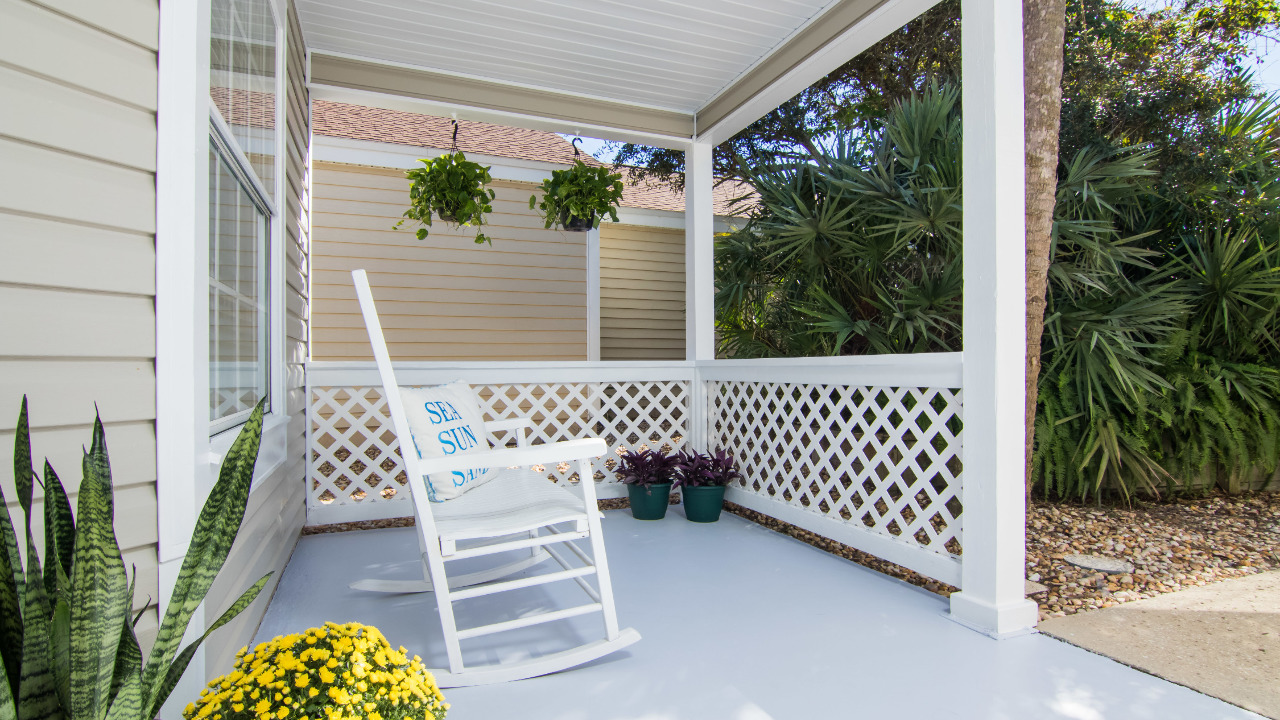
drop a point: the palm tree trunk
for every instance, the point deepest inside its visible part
(1043, 24)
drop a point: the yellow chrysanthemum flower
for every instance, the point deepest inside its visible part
(349, 671)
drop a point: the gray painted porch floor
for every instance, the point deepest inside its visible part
(738, 623)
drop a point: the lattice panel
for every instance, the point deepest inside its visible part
(355, 457)
(886, 459)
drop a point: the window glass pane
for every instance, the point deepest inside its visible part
(242, 79)
(238, 296)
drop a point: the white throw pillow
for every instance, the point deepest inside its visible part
(446, 420)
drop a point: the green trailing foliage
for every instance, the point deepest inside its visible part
(1162, 337)
(67, 641)
(452, 188)
(578, 198)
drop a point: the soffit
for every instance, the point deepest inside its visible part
(670, 56)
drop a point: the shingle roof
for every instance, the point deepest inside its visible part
(358, 122)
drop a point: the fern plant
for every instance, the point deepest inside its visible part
(67, 641)
(452, 188)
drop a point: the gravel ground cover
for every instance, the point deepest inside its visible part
(1183, 543)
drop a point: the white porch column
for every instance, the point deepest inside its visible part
(593, 295)
(699, 276)
(994, 564)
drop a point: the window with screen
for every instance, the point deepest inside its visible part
(243, 86)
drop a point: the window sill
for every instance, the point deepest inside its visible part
(271, 452)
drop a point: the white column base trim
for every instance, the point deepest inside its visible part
(1004, 621)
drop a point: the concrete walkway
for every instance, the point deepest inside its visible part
(1221, 639)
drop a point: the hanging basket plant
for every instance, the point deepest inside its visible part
(577, 199)
(452, 188)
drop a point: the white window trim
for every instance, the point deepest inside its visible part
(187, 457)
(272, 451)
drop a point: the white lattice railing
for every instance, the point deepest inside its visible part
(354, 469)
(864, 451)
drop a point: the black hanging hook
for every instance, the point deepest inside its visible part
(574, 142)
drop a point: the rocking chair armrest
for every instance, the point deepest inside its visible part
(517, 457)
(518, 423)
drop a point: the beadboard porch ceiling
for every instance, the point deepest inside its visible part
(667, 67)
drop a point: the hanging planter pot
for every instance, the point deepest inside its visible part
(578, 198)
(573, 223)
(451, 188)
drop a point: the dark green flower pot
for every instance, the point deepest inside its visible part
(649, 503)
(703, 503)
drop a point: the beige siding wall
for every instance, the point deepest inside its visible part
(77, 224)
(641, 293)
(277, 506)
(443, 298)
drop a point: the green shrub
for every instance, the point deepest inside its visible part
(1161, 338)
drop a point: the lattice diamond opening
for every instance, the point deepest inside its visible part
(886, 459)
(355, 457)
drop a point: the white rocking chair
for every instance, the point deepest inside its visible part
(509, 512)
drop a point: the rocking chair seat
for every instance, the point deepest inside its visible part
(518, 500)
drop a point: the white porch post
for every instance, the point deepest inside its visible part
(593, 295)
(699, 277)
(993, 571)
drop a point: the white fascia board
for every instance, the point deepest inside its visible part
(885, 19)
(670, 219)
(403, 103)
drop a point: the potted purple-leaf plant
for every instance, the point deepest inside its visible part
(702, 478)
(648, 477)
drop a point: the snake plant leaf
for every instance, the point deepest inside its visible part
(9, 537)
(129, 700)
(128, 655)
(22, 471)
(37, 693)
(59, 532)
(180, 663)
(8, 707)
(101, 463)
(10, 619)
(60, 650)
(126, 690)
(99, 589)
(215, 530)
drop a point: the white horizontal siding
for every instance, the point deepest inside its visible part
(641, 293)
(77, 217)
